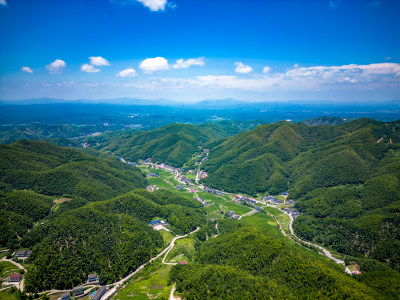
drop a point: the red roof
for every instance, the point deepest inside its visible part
(183, 262)
(15, 276)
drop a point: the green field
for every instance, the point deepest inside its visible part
(159, 182)
(222, 203)
(282, 217)
(150, 283)
(167, 236)
(263, 221)
(183, 250)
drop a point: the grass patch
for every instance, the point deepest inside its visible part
(183, 250)
(167, 236)
(263, 221)
(151, 283)
(159, 182)
(222, 203)
(282, 217)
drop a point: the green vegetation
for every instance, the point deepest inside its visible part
(183, 250)
(244, 257)
(222, 204)
(151, 283)
(111, 238)
(345, 180)
(33, 173)
(173, 144)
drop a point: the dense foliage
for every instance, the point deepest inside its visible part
(33, 174)
(111, 238)
(345, 179)
(248, 263)
(172, 144)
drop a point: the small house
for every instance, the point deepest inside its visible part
(24, 253)
(15, 277)
(257, 208)
(78, 291)
(99, 293)
(183, 262)
(179, 186)
(93, 278)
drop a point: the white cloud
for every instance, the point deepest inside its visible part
(347, 73)
(154, 5)
(56, 67)
(89, 68)
(150, 65)
(316, 78)
(184, 64)
(98, 61)
(3, 2)
(127, 73)
(266, 69)
(242, 69)
(26, 69)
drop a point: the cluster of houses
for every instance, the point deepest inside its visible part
(293, 212)
(202, 174)
(273, 200)
(213, 191)
(245, 199)
(151, 188)
(233, 215)
(159, 225)
(79, 291)
(183, 179)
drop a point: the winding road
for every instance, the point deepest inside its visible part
(324, 251)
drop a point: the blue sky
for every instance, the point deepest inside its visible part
(187, 50)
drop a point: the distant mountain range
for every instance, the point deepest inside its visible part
(207, 103)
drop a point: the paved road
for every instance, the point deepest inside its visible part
(326, 252)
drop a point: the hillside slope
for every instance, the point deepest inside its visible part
(111, 238)
(172, 144)
(345, 179)
(34, 174)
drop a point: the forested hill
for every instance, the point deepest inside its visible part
(111, 238)
(248, 263)
(345, 179)
(173, 144)
(33, 174)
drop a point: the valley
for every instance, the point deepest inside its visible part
(204, 217)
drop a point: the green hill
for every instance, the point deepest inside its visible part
(111, 238)
(173, 144)
(248, 263)
(345, 179)
(33, 174)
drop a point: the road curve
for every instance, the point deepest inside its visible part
(325, 251)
